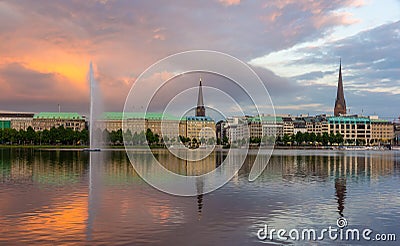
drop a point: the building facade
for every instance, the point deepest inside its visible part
(16, 120)
(47, 120)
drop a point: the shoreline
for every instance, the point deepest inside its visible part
(82, 147)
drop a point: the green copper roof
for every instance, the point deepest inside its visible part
(379, 121)
(57, 115)
(137, 115)
(348, 120)
(266, 119)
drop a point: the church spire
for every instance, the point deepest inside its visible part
(340, 103)
(200, 110)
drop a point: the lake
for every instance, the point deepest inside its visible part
(58, 197)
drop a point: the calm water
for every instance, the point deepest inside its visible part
(56, 197)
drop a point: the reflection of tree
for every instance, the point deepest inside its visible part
(340, 187)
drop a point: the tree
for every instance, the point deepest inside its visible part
(150, 137)
(325, 138)
(339, 138)
(286, 139)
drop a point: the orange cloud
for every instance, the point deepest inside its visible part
(334, 19)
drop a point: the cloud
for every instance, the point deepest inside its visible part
(229, 2)
(21, 85)
(56, 40)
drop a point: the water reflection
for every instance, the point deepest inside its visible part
(74, 197)
(340, 187)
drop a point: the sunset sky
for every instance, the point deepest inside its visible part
(293, 45)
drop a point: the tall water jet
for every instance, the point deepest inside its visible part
(95, 112)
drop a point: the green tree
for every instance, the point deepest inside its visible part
(339, 138)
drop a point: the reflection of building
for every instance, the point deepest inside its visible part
(340, 103)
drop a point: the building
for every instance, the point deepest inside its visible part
(299, 125)
(47, 120)
(288, 126)
(16, 120)
(200, 109)
(237, 130)
(316, 124)
(269, 126)
(162, 124)
(200, 128)
(340, 103)
(382, 131)
(272, 126)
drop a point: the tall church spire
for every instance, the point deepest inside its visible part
(200, 110)
(340, 103)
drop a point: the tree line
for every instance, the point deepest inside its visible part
(310, 139)
(54, 136)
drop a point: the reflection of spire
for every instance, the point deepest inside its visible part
(340, 187)
(199, 186)
(200, 110)
(199, 205)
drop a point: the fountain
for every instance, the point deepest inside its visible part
(94, 146)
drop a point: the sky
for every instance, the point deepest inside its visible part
(293, 45)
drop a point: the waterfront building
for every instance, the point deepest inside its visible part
(288, 126)
(269, 126)
(200, 126)
(382, 131)
(164, 125)
(397, 132)
(16, 120)
(299, 125)
(316, 124)
(48, 120)
(340, 103)
(353, 129)
(272, 126)
(255, 127)
(237, 130)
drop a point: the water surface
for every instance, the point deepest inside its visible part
(57, 197)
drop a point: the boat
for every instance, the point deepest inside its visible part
(91, 149)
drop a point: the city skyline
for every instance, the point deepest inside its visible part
(47, 47)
